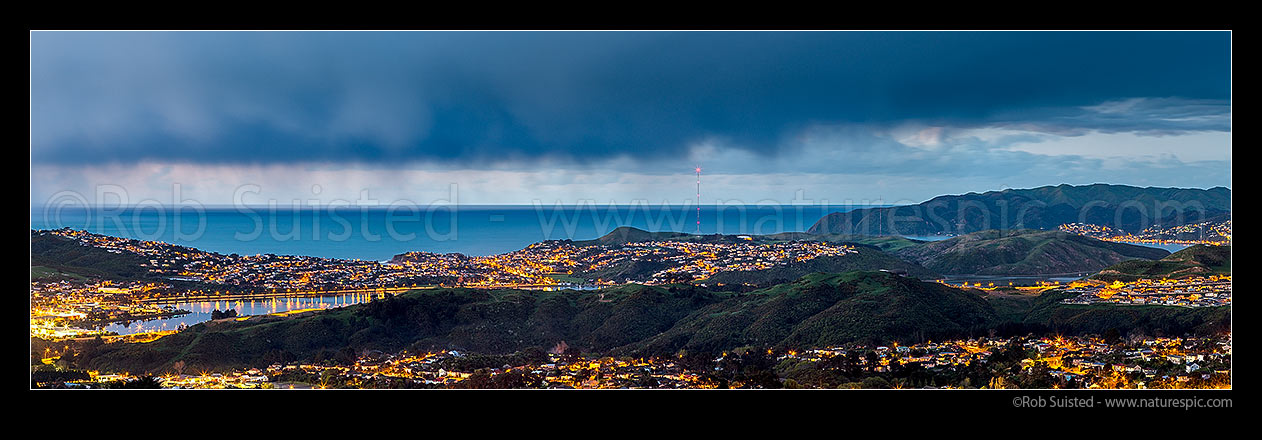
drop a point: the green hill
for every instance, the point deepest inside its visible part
(818, 309)
(1023, 252)
(627, 234)
(1118, 206)
(815, 311)
(55, 257)
(1047, 315)
(477, 321)
(827, 309)
(1198, 260)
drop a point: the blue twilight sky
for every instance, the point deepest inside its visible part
(521, 117)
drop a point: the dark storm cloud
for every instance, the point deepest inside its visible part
(474, 97)
(1142, 116)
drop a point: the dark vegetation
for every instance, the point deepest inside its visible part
(817, 310)
(1023, 252)
(823, 310)
(61, 257)
(1198, 260)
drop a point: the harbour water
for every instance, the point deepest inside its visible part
(201, 311)
(1018, 280)
(1172, 247)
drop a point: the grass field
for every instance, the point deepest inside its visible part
(567, 278)
(49, 274)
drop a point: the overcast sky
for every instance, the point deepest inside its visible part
(508, 117)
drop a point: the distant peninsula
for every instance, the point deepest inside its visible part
(1122, 207)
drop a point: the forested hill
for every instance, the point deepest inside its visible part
(1023, 252)
(68, 258)
(815, 311)
(1122, 207)
(1200, 260)
(818, 309)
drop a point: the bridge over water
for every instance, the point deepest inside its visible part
(380, 291)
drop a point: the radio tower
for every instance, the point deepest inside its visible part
(698, 200)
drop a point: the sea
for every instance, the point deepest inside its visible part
(380, 233)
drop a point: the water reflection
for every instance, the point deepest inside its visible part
(201, 311)
(1016, 280)
(1172, 247)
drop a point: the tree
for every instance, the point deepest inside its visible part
(516, 379)
(146, 382)
(480, 379)
(873, 360)
(1112, 336)
(644, 380)
(875, 382)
